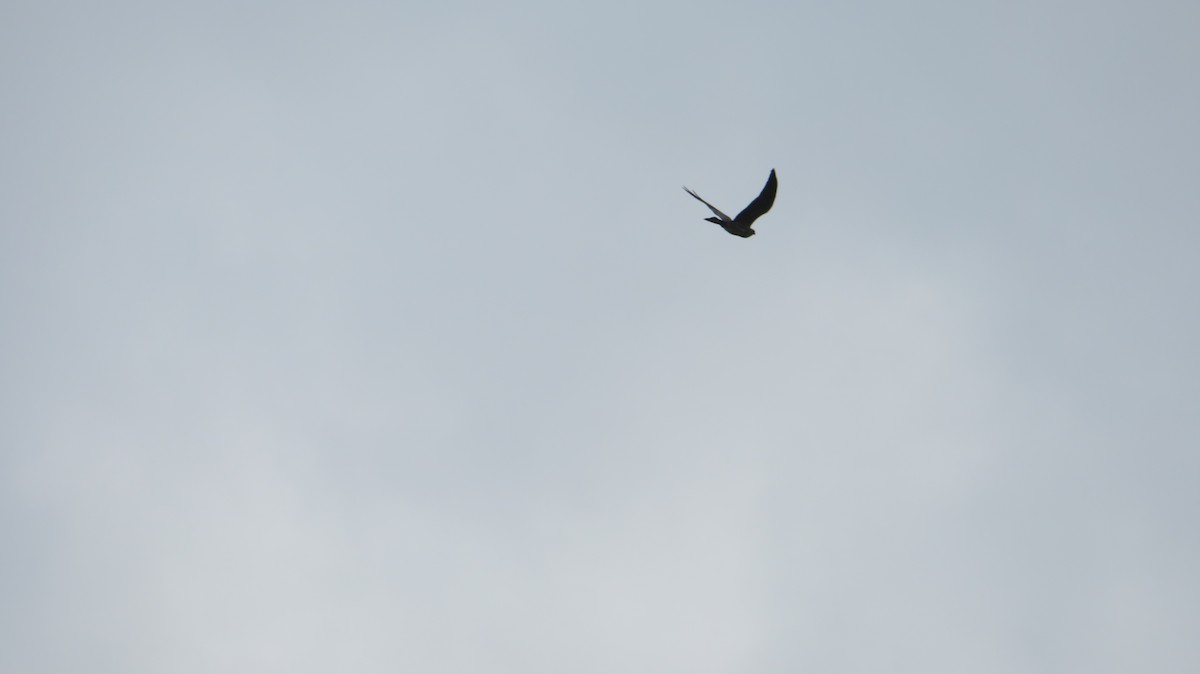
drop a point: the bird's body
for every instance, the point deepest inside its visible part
(741, 225)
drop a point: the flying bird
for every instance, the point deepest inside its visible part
(740, 226)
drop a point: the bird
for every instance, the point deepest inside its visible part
(740, 226)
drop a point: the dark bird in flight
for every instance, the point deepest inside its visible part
(740, 226)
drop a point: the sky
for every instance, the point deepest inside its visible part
(380, 337)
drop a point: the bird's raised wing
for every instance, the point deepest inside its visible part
(712, 208)
(761, 204)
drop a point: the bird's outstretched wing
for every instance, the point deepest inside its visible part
(761, 204)
(712, 208)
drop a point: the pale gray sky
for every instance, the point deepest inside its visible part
(370, 337)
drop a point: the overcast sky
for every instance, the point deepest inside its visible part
(380, 337)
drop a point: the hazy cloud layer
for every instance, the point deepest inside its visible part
(374, 338)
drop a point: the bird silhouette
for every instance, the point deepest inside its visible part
(740, 226)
